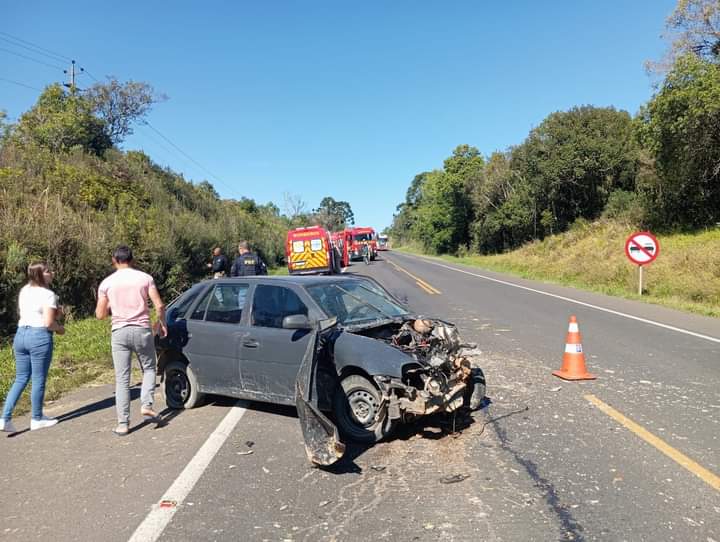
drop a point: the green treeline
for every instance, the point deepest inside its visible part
(659, 169)
(69, 195)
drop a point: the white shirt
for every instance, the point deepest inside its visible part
(33, 300)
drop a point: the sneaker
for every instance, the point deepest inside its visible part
(7, 426)
(42, 423)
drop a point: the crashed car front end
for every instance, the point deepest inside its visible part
(439, 377)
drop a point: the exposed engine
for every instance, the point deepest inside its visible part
(440, 378)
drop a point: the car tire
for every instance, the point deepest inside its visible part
(359, 412)
(474, 396)
(180, 386)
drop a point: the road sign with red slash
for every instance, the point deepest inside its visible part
(642, 248)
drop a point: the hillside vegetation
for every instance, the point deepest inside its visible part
(686, 274)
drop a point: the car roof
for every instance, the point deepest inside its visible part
(301, 280)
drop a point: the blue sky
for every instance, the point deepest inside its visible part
(341, 99)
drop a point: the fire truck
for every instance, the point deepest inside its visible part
(341, 242)
(357, 237)
(310, 251)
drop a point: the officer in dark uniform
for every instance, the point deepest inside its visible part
(219, 263)
(247, 263)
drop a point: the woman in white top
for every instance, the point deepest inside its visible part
(33, 346)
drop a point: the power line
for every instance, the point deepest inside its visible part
(198, 164)
(91, 76)
(32, 50)
(31, 44)
(54, 66)
(20, 84)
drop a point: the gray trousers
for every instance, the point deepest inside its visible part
(125, 341)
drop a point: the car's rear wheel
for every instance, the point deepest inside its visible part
(360, 413)
(180, 386)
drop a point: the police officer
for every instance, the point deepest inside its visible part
(219, 263)
(247, 263)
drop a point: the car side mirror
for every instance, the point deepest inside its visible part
(296, 321)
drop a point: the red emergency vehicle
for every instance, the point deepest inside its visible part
(357, 238)
(309, 251)
(341, 242)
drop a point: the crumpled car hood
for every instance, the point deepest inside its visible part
(372, 355)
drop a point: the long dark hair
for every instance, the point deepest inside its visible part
(36, 274)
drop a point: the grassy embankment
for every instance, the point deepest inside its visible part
(591, 256)
(82, 355)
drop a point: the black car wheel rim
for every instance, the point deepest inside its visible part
(178, 386)
(363, 407)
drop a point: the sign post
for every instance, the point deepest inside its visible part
(642, 248)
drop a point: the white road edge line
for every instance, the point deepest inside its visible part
(569, 299)
(155, 522)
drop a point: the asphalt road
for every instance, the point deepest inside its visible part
(539, 462)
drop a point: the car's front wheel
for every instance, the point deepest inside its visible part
(180, 386)
(360, 413)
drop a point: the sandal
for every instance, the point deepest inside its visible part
(148, 413)
(121, 430)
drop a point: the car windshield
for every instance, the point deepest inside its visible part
(363, 237)
(355, 301)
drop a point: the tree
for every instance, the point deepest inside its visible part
(293, 205)
(572, 162)
(120, 105)
(334, 215)
(60, 121)
(679, 128)
(440, 220)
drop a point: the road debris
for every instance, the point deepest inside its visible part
(265, 470)
(323, 503)
(378, 468)
(246, 452)
(454, 478)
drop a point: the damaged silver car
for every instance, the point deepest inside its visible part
(337, 345)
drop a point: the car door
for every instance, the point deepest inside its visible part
(215, 333)
(271, 355)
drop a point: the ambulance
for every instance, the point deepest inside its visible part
(309, 251)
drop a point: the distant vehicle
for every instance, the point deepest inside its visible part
(382, 242)
(359, 237)
(252, 338)
(310, 251)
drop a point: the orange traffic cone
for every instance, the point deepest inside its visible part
(573, 365)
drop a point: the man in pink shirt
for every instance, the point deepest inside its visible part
(125, 294)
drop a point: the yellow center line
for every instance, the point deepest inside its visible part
(705, 475)
(424, 288)
(420, 282)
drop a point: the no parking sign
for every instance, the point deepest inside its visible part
(642, 248)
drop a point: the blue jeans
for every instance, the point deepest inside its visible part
(33, 348)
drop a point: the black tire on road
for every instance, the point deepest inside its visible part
(361, 416)
(474, 396)
(180, 387)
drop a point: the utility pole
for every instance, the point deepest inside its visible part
(71, 73)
